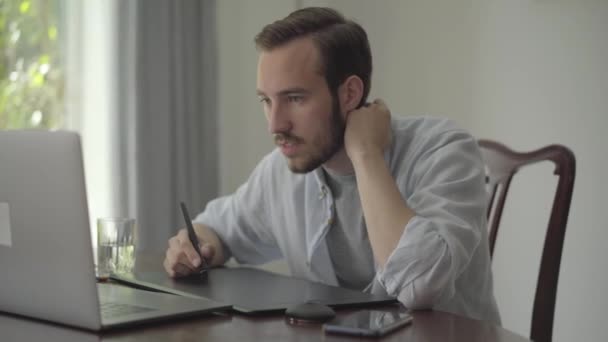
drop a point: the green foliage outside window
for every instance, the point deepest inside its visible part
(32, 79)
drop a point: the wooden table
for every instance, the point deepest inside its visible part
(428, 326)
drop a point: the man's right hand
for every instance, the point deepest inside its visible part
(181, 259)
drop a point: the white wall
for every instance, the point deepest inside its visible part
(421, 50)
(243, 133)
(526, 72)
(541, 76)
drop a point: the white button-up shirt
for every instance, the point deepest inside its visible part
(442, 259)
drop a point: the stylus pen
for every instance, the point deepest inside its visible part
(192, 236)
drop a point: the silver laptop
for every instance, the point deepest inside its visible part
(46, 256)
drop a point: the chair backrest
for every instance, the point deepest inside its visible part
(501, 165)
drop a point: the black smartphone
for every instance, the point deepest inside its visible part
(373, 323)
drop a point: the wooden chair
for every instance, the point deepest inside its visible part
(501, 165)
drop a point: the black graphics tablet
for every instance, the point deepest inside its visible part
(251, 290)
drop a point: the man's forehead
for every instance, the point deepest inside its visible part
(298, 58)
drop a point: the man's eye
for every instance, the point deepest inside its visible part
(264, 99)
(295, 98)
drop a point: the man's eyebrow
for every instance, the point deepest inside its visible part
(285, 92)
(296, 90)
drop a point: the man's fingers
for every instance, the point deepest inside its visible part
(177, 253)
(193, 258)
(208, 252)
(170, 268)
(183, 244)
(176, 270)
(182, 258)
(379, 102)
(182, 270)
(177, 265)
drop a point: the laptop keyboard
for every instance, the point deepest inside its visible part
(110, 309)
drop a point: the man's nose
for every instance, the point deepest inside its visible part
(278, 120)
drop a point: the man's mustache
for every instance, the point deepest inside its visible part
(285, 138)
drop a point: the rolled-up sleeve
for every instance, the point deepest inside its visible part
(240, 220)
(444, 186)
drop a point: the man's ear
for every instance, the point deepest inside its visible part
(350, 93)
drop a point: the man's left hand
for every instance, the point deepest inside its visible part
(368, 130)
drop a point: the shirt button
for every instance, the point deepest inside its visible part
(323, 192)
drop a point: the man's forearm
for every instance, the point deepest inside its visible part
(385, 211)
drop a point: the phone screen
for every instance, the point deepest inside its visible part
(368, 323)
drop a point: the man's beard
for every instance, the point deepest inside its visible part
(327, 146)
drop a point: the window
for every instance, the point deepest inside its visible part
(56, 72)
(32, 73)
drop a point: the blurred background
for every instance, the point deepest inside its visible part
(163, 93)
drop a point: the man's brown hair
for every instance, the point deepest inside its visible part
(342, 44)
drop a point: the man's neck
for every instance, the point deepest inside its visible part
(340, 163)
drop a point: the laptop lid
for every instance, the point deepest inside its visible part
(46, 257)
